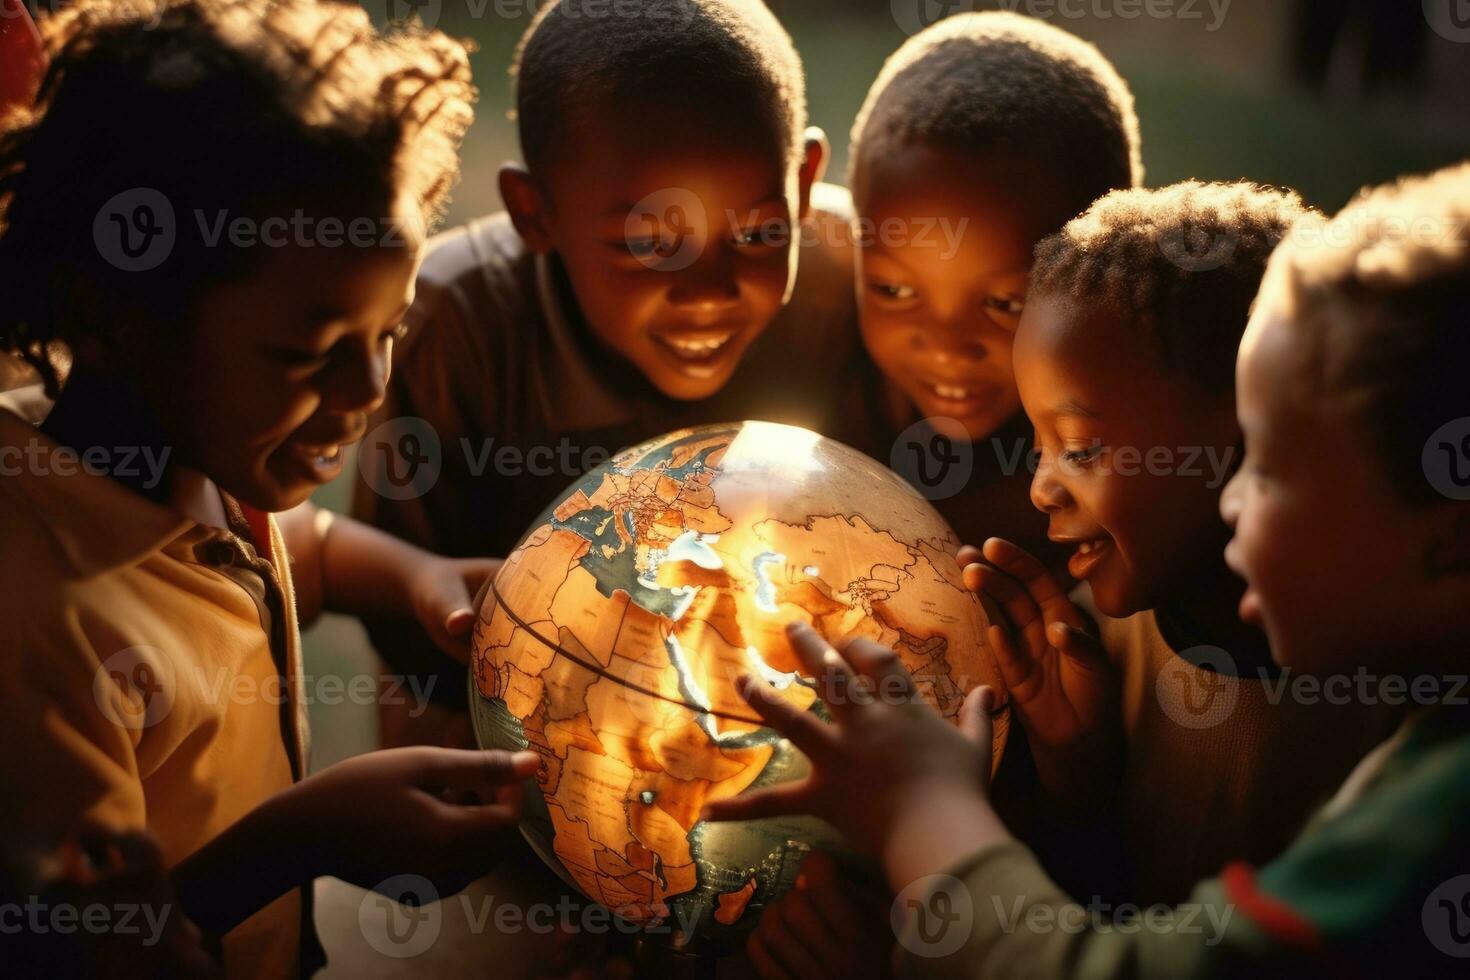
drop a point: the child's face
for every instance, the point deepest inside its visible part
(945, 242)
(678, 235)
(1133, 457)
(282, 367)
(1311, 511)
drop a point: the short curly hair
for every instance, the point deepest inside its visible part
(1181, 263)
(1390, 274)
(580, 55)
(1002, 81)
(249, 108)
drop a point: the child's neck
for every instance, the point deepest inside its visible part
(106, 411)
(1207, 613)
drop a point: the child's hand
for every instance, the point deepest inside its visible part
(442, 592)
(824, 927)
(446, 814)
(898, 780)
(1055, 671)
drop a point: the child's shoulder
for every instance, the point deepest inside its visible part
(69, 534)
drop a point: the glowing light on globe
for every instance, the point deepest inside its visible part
(612, 637)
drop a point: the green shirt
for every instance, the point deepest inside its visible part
(1377, 885)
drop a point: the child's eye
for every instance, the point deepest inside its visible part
(397, 333)
(1079, 457)
(892, 291)
(1008, 305)
(640, 248)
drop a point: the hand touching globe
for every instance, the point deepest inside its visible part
(611, 640)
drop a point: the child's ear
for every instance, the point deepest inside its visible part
(527, 207)
(1449, 551)
(816, 152)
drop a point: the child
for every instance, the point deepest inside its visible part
(1350, 369)
(1124, 360)
(982, 135)
(642, 278)
(150, 671)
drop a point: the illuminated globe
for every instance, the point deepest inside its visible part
(610, 641)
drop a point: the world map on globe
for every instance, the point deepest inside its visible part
(613, 634)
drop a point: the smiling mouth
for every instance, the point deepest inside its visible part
(1088, 556)
(955, 393)
(697, 348)
(327, 455)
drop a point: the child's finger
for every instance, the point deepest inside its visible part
(975, 716)
(835, 676)
(792, 935)
(883, 666)
(483, 772)
(780, 800)
(766, 966)
(1078, 646)
(1011, 595)
(805, 730)
(1027, 569)
(834, 900)
(1018, 670)
(968, 555)
(459, 622)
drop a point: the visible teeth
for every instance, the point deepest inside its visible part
(323, 454)
(952, 392)
(1088, 547)
(698, 347)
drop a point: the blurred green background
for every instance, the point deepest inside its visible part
(1219, 98)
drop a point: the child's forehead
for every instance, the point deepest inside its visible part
(992, 186)
(604, 134)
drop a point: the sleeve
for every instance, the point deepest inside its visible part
(414, 480)
(70, 729)
(1377, 890)
(998, 916)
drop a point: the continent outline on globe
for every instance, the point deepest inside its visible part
(611, 638)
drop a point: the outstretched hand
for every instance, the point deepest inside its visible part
(888, 763)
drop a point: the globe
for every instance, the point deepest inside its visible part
(610, 640)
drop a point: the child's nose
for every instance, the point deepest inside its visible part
(1230, 500)
(1048, 495)
(361, 383)
(952, 341)
(708, 285)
